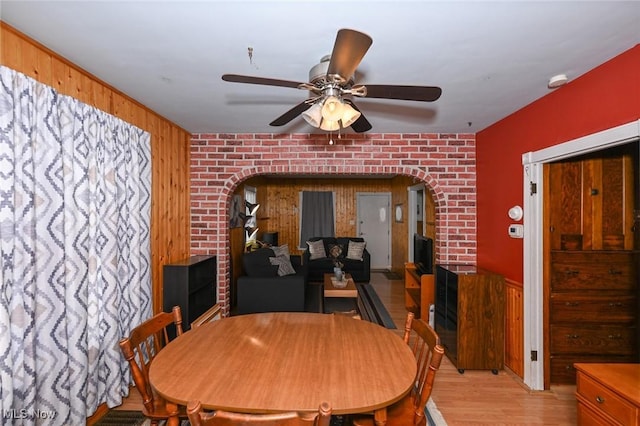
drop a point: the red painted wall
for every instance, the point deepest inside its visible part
(605, 97)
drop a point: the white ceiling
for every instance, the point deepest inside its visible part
(490, 58)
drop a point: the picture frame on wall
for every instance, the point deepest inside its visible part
(398, 213)
(237, 206)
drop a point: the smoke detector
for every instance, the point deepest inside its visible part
(557, 81)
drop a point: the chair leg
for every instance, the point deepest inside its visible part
(380, 417)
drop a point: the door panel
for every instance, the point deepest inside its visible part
(374, 211)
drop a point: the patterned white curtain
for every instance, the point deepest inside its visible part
(75, 198)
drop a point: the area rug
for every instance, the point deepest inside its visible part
(434, 416)
(122, 418)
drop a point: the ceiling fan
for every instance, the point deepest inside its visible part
(331, 83)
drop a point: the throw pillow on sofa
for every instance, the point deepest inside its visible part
(355, 250)
(335, 250)
(316, 250)
(284, 265)
(336, 253)
(282, 250)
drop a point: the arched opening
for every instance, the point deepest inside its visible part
(224, 199)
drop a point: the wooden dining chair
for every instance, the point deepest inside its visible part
(198, 417)
(425, 344)
(212, 314)
(139, 349)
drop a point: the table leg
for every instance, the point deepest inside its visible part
(380, 417)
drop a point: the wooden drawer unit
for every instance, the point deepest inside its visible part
(593, 310)
(608, 394)
(587, 416)
(602, 309)
(593, 339)
(596, 270)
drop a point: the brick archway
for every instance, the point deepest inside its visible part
(219, 163)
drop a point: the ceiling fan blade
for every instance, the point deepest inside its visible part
(406, 93)
(348, 51)
(361, 124)
(291, 114)
(235, 78)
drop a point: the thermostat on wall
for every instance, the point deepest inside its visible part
(516, 230)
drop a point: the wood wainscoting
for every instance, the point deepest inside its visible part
(514, 328)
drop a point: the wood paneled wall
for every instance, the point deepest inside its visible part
(400, 230)
(170, 210)
(514, 335)
(279, 206)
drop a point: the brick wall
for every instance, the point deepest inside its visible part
(444, 162)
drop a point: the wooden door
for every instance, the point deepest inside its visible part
(374, 225)
(591, 202)
(591, 262)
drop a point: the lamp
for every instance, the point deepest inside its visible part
(329, 126)
(349, 115)
(253, 208)
(251, 237)
(331, 114)
(332, 108)
(313, 115)
(247, 220)
(250, 222)
(250, 242)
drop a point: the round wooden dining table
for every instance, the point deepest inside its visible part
(278, 362)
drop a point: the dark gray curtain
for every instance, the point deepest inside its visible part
(316, 216)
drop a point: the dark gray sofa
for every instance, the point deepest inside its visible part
(360, 270)
(261, 289)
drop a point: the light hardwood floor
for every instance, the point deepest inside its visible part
(475, 397)
(480, 397)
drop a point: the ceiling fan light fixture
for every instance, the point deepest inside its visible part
(313, 115)
(332, 108)
(329, 125)
(349, 115)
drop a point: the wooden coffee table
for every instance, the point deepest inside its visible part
(332, 291)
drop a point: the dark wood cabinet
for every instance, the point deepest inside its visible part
(190, 284)
(592, 271)
(469, 316)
